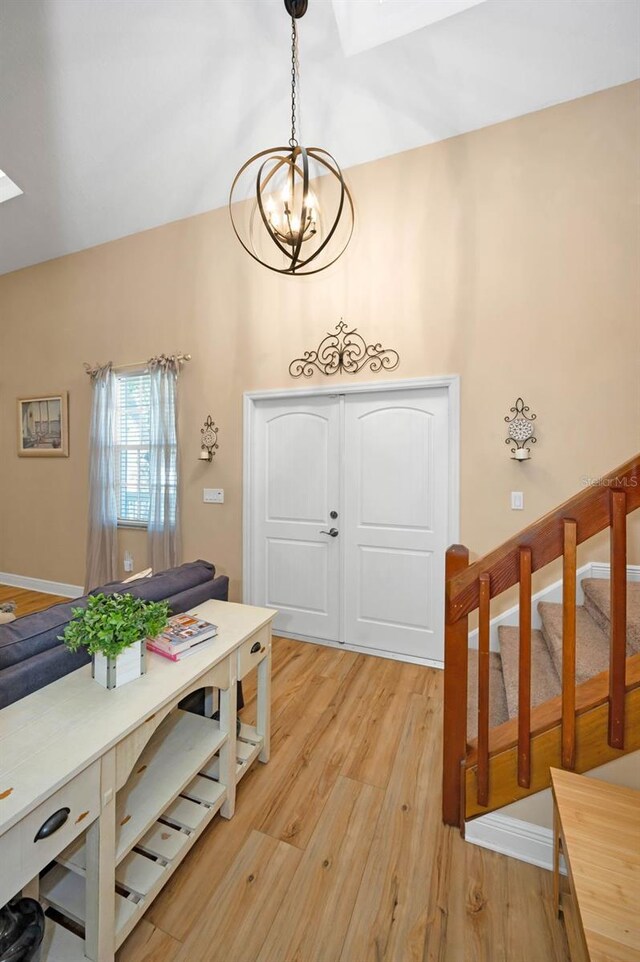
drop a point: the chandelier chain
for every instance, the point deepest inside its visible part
(294, 74)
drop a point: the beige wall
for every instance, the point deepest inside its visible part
(508, 256)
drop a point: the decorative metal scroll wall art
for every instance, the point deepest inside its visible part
(348, 352)
(521, 431)
(208, 440)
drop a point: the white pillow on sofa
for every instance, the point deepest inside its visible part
(141, 574)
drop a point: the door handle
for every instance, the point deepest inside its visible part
(333, 532)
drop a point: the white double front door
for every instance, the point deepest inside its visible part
(348, 516)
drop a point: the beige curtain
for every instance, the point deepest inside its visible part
(102, 542)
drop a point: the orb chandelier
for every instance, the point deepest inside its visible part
(290, 207)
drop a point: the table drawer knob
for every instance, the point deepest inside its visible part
(52, 824)
(255, 648)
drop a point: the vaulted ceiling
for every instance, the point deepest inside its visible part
(120, 115)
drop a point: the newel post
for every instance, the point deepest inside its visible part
(455, 693)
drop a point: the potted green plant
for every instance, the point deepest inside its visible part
(113, 629)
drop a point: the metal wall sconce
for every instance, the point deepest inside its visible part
(521, 431)
(208, 441)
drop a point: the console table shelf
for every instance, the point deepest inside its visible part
(65, 891)
(179, 748)
(249, 745)
(61, 945)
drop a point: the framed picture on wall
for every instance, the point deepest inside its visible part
(43, 426)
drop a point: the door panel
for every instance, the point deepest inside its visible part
(298, 575)
(387, 587)
(296, 446)
(395, 520)
(391, 440)
(295, 484)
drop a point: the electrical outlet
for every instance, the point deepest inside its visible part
(213, 495)
(128, 561)
(517, 501)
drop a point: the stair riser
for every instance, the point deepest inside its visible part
(556, 654)
(597, 614)
(592, 644)
(597, 603)
(545, 683)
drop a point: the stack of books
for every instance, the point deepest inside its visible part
(185, 635)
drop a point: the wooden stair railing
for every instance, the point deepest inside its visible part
(605, 504)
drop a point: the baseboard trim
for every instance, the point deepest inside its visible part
(602, 569)
(361, 650)
(511, 836)
(38, 584)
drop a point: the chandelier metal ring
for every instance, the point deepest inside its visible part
(286, 156)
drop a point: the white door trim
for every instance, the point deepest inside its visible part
(250, 398)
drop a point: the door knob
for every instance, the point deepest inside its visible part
(333, 532)
(333, 515)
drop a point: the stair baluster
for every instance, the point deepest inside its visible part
(524, 670)
(456, 640)
(617, 665)
(569, 643)
(483, 689)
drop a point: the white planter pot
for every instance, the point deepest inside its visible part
(115, 672)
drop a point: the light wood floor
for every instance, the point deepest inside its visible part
(27, 601)
(337, 852)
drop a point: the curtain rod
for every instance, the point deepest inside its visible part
(142, 365)
(179, 358)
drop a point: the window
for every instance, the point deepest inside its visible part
(133, 455)
(8, 189)
(132, 438)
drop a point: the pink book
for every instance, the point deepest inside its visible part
(151, 646)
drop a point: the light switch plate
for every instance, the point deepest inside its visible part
(213, 495)
(517, 501)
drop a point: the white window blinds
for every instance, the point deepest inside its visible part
(132, 433)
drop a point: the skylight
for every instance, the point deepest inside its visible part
(7, 188)
(370, 23)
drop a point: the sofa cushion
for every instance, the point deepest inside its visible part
(33, 634)
(164, 584)
(28, 676)
(217, 590)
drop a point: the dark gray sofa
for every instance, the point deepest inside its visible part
(32, 656)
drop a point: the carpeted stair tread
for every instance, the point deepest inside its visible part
(597, 602)
(497, 697)
(545, 683)
(592, 644)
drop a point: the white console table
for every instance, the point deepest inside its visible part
(127, 780)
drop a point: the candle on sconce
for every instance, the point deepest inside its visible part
(204, 455)
(522, 454)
